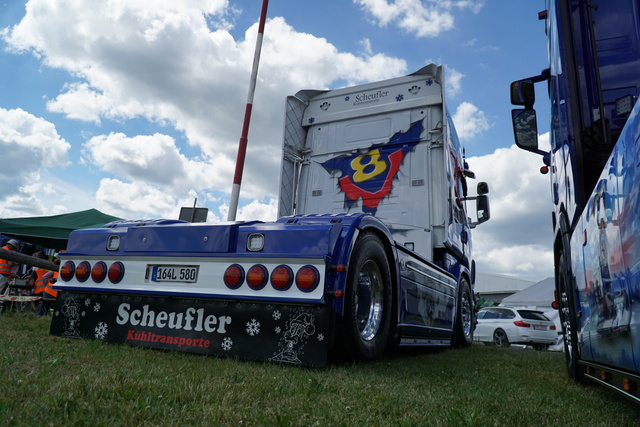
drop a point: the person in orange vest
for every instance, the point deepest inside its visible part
(49, 294)
(40, 278)
(6, 265)
(37, 276)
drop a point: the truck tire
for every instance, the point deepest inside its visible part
(367, 313)
(464, 323)
(568, 320)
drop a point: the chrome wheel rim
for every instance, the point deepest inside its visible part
(368, 300)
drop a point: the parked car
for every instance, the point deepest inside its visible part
(504, 326)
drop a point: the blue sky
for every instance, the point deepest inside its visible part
(136, 109)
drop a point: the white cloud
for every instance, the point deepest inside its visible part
(166, 65)
(152, 158)
(255, 210)
(136, 200)
(470, 121)
(28, 145)
(423, 18)
(518, 237)
(453, 82)
(80, 102)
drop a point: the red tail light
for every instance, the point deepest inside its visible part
(257, 277)
(82, 271)
(233, 276)
(552, 327)
(67, 271)
(521, 324)
(282, 277)
(99, 271)
(116, 272)
(307, 278)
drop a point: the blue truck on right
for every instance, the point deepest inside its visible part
(593, 80)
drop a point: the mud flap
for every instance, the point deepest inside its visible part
(281, 333)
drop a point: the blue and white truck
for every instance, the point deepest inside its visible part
(593, 82)
(372, 248)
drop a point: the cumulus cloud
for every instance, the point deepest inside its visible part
(255, 210)
(28, 145)
(177, 64)
(423, 18)
(151, 158)
(136, 200)
(470, 121)
(518, 237)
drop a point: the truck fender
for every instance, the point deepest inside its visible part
(369, 223)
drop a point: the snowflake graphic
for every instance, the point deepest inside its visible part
(87, 302)
(96, 307)
(227, 343)
(278, 330)
(320, 337)
(253, 327)
(399, 98)
(276, 315)
(101, 330)
(429, 82)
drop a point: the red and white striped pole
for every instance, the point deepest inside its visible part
(242, 147)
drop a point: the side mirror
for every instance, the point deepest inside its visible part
(525, 129)
(482, 205)
(523, 93)
(482, 208)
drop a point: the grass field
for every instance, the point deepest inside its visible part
(50, 380)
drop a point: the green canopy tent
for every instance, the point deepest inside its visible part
(53, 231)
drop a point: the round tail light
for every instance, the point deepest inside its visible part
(233, 276)
(99, 271)
(67, 271)
(83, 271)
(307, 278)
(282, 277)
(257, 277)
(116, 272)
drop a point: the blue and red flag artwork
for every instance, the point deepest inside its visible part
(369, 176)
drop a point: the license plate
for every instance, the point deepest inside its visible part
(539, 328)
(174, 273)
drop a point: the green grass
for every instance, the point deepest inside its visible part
(50, 380)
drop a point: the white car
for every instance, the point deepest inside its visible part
(504, 326)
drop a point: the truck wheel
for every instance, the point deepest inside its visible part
(463, 328)
(567, 319)
(366, 321)
(500, 338)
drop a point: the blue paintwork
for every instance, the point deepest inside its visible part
(328, 237)
(601, 209)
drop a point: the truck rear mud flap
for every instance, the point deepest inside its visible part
(280, 333)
